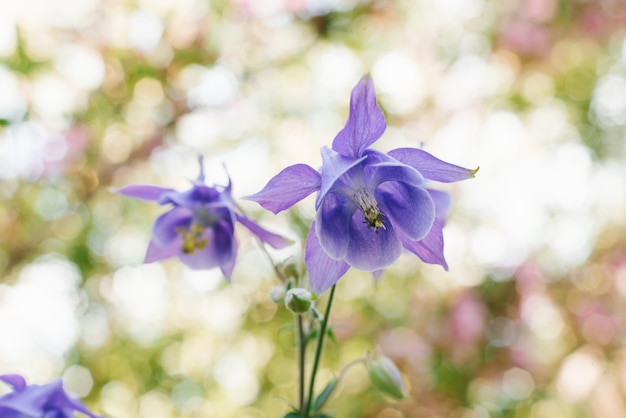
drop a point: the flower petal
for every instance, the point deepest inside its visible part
(366, 122)
(201, 259)
(164, 228)
(31, 400)
(64, 402)
(430, 248)
(200, 178)
(15, 380)
(443, 203)
(287, 188)
(144, 192)
(225, 247)
(38, 400)
(369, 249)
(379, 168)
(228, 266)
(409, 208)
(195, 197)
(324, 272)
(263, 234)
(334, 165)
(157, 252)
(430, 166)
(220, 250)
(333, 225)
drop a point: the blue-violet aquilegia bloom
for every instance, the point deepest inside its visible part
(199, 228)
(38, 401)
(370, 205)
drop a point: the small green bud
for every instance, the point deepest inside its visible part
(277, 293)
(298, 300)
(385, 376)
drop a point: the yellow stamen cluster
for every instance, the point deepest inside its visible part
(192, 238)
(369, 207)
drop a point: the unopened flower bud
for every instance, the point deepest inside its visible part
(298, 300)
(385, 376)
(277, 294)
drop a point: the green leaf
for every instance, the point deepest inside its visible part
(330, 334)
(293, 415)
(325, 394)
(322, 416)
(312, 335)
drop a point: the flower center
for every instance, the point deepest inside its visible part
(192, 238)
(368, 206)
(204, 218)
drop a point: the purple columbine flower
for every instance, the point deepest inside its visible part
(370, 205)
(199, 228)
(38, 401)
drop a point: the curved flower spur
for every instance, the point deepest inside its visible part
(369, 204)
(199, 228)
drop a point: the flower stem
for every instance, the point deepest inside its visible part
(349, 366)
(318, 352)
(301, 359)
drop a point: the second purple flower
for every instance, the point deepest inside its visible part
(199, 228)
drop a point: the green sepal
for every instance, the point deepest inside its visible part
(298, 300)
(324, 395)
(315, 314)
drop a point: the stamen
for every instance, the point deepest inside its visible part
(368, 205)
(192, 238)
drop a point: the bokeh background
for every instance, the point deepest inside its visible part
(98, 94)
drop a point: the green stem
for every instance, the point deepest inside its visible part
(301, 359)
(318, 352)
(349, 366)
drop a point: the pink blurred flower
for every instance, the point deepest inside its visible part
(530, 279)
(526, 38)
(404, 344)
(593, 22)
(539, 10)
(61, 150)
(597, 324)
(467, 319)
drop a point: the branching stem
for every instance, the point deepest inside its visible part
(318, 353)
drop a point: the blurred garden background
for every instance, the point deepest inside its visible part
(97, 94)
